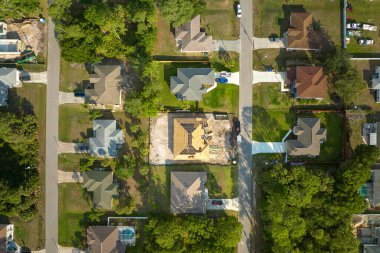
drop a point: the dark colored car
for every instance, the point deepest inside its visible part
(222, 80)
(216, 202)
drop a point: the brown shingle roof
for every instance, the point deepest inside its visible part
(301, 34)
(309, 81)
(104, 239)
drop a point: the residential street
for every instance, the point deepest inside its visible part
(51, 209)
(245, 116)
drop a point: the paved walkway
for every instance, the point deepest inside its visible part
(266, 43)
(226, 45)
(268, 147)
(36, 77)
(71, 147)
(228, 204)
(69, 177)
(51, 159)
(69, 98)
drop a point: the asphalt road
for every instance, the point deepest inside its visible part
(51, 198)
(245, 115)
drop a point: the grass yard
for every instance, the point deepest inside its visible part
(268, 16)
(72, 76)
(224, 98)
(73, 203)
(356, 119)
(74, 123)
(272, 108)
(221, 12)
(165, 42)
(31, 98)
(222, 183)
(365, 12)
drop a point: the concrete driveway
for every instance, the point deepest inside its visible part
(226, 45)
(261, 77)
(69, 98)
(268, 147)
(70, 147)
(265, 43)
(69, 177)
(35, 77)
(228, 204)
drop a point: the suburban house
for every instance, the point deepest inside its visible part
(301, 34)
(191, 38)
(189, 139)
(192, 83)
(371, 134)
(369, 238)
(105, 85)
(307, 82)
(188, 192)
(100, 183)
(9, 78)
(9, 48)
(371, 190)
(105, 239)
(107, 138)
(7, 245)
(375, 84)
(309, 136)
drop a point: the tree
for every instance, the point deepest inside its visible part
(178, 12)
(95, 114)
(17, 9)
(126, 207)
(86, 164)
(95, 215)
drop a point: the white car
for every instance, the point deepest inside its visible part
(353, 26)
(238, 11)
(365, 42)
(369, 27)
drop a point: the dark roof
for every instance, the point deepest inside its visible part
(309, 81)
(100, 183)
(301, 34)
(104, 239)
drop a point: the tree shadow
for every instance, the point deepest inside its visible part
(18, 105)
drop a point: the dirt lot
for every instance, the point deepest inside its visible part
(161, 136)
(32, 33)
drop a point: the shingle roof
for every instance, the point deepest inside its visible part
(104, 239)
(107, 138)
(188, 194)
(106, 85)
(100, 183)
(192, 83)
(191, 38)
(8, 79)
(309, 81)
(309, 136)
(301, 34)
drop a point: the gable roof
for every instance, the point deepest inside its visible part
(376, 188)
(188, 192)
(188, 137)
(301, 34)
(309, 81)
(100, 183)
(192, 83)
(191, 38)
(309, 137)
(106, 85)
(8, 79)
(104, 239)
(107, 138)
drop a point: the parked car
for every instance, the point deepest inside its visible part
(217, 202)
(354, 26)
(221, 80)
(353, 33)
(365, 42)
(369, 27)
(238, 11)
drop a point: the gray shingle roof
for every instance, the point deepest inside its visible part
(8, 79)
(188, 192)
(100, 183)
(190, 83)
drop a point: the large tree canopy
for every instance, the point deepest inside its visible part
(192, 234)
(178, 12)
(310, 210)
(19, 162)
(100, 29)
(16, 9)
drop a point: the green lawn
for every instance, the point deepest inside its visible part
(268, 16)
(222, 183)
(31, 98)
(72, 162)
(217, 13)
(273, 118)
(224, 98)
(73, 203)
(74, 123)
(72, 76)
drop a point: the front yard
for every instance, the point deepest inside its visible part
(275, 113)
(73, 76)
(269, 16)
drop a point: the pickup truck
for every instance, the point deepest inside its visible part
(369, 27)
